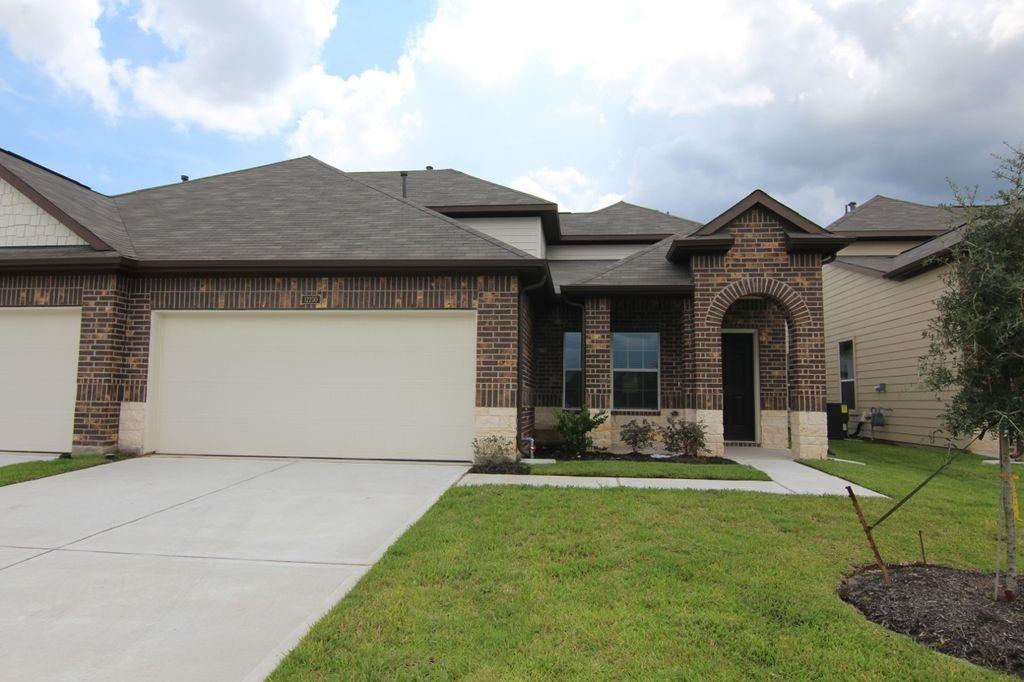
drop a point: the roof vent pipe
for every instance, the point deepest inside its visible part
(430, 168)
(184, 178)
(405, 183)
(851, 207)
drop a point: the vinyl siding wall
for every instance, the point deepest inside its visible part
(592, 251)
(886, 320)
(521, 232)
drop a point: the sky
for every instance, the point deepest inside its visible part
(681, 106)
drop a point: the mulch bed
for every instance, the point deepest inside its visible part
(949, 609)
(555, 451)
(501, 468)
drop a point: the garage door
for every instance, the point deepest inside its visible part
(38, 376)
(396, 385)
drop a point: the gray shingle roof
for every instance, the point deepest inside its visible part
(624, 219)
(909, 262)
(566, 272)
(94, 211)
(880, 215)
(445, 187)
(647, 268)
(297, 210)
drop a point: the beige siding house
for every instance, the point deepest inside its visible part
(879, 295)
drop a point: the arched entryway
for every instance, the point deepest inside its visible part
(757, 344)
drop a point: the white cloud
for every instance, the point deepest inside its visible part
(567, 187)
(356, 120)
(243, 63)
(61, 37)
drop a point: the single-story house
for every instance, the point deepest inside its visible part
(295, 309)
(880, 294)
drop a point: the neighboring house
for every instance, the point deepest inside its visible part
(295, 309)
(880, 294)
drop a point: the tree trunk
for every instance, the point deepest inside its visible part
(1010, 525)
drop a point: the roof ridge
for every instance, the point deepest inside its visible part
(505, 187)
(210, 177)
(48, 170)
(423, 209)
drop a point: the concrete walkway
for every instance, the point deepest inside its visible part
(788, 478)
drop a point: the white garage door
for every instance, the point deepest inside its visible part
(397, 385)
(38, 378)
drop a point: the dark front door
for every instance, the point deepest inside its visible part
(738, 386)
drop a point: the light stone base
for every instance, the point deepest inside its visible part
(715, 430)
(495, 421)
(775, 429)
(602, 435)
(810, 435)
(132, 428)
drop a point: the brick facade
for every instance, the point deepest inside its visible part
(116, 315)
(758, 265)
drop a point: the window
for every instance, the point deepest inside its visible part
(635, 371)
(572, 373)
(847, 383)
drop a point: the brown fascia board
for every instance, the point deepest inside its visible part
(759, 196)
(682, 249)
(890, 235)
(612, 238)
(54, 210)
(627, 288)
(816, 244)
(120, 263)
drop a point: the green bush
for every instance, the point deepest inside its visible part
(575, 426)
(681, 436)
(637, 435)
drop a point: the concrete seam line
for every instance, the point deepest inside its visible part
(206, 557)
(173, 506)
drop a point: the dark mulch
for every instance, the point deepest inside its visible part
(950, 609)
(502, 468)
(557, 451)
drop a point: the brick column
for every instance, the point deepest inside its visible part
(597, 363)
(100, 363)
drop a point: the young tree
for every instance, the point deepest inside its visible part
(977, 340)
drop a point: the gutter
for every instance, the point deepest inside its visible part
(519, 358)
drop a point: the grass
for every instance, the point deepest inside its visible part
(626, 468)
(516, 582)
(29, 471)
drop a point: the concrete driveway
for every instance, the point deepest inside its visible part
(192, 568)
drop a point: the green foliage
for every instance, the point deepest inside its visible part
(977, 340)
(637, 435)
(493, 450)
(682, 436)
(575, 426)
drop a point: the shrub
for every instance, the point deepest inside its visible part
(494, 450)
(637, 435)
(575, 426)
(681, 436)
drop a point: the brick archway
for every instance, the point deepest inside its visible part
(806, 387)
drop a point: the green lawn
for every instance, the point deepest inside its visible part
(502, 582)
(27, 471)
(729, 472)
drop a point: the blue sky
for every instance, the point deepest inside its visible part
(681, 106)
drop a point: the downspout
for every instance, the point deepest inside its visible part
(519, 363)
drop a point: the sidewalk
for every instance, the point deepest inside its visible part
(788, 478)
